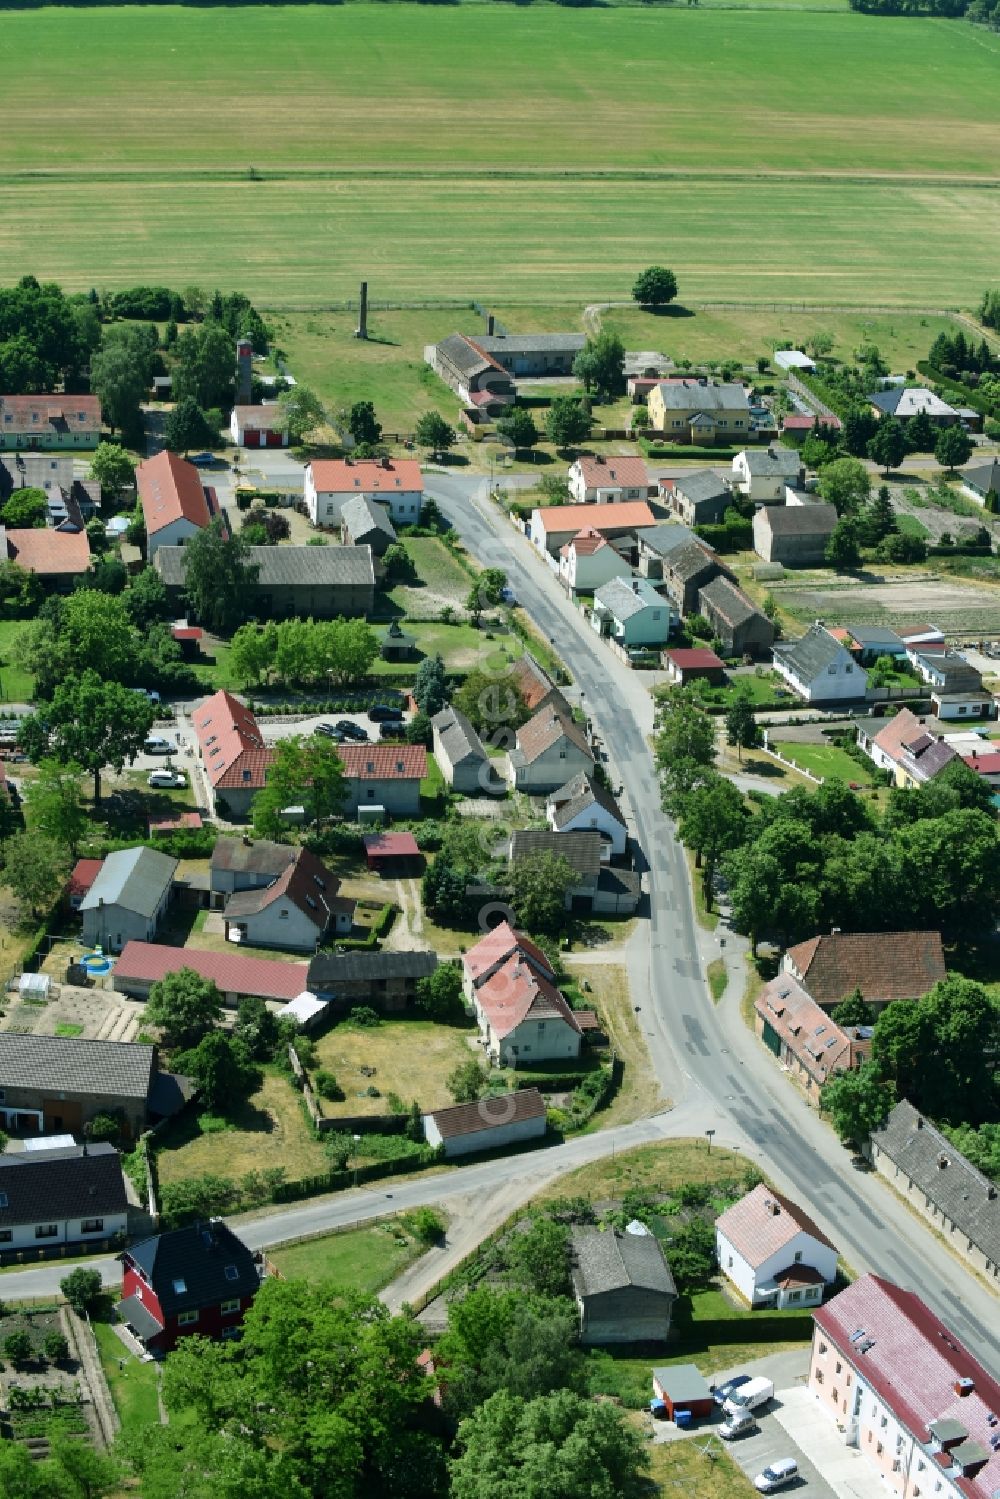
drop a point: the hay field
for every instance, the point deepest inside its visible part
(459, 151)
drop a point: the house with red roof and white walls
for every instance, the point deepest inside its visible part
(176, 505)
(773, 1252)
(394, 482)
(233, 752)
(521, 1014)
(906, 1394)
(587, 560)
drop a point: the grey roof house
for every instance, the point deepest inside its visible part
(700, 498)
(982, 477)
(623, 1287)
(739, 624)
(632, 613)
(585, 805)
(597, 887)
(54, 1084)
(795, 535)
(363, 522)
(247, 864)
(386, 980)
(763, 474)
(128, 898)
(69, 1195)
(459, 751)
(820, 669)
(937, 1180)
(309, 582)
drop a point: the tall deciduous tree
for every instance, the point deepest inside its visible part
(953, 448)
(35, 867)
(654, 287)
(364, 425)
(713, 821)
(845, 485)
(113, 470)
(302, 411)
(217, 575)
(25, 509)
(91, 723)
(684, 745)
(567, 423)
(304, 772)
(184, 1006)
(95, 633)
(600, 365)
(539, 885)
(518, 427)
(188, 427)
(432, 431)
(843, 549)
(741, 726)
(55, 804)
(206, 366)
(557, 1446)
(888, 446)
(858, 1102)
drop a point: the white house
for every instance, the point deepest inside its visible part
(548, 749)
(632, 613)
(69, 1195)
(762, 474)
(522, 1016)
(588, 560)
(395, 482)
(819, 669)
(488, 1124)
(773, 1252)
(263, 426)
(582, 806)
(175, 503)
(596, 480)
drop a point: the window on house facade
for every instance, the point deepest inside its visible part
(46, 1230)
(230, 1332)
(819, 1376)
(230, 1308)
(92, 1226)
(6, 1236)
(822, 1348)
(283, 914)
(798, 1256)
(187, 1319)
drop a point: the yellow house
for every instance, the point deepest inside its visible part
(699, 411)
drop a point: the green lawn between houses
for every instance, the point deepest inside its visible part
(363, 1259)
(824, 760)
(389, 172)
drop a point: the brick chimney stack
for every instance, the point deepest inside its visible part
(244, 371)
(361, 331)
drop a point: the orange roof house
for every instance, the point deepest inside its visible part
(235, 757)
(522, 1016)
(175, 503)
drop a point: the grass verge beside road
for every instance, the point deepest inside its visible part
(824, 760)
(653, 1168)
(362, 1259)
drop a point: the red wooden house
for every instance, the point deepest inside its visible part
(200, 1279)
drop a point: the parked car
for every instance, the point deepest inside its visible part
(350, 729)
(330, 731)
(202, 460)
(157, 745)
(148, 694)
(738, 1426)
(507, 596)
(750, 1396)
(381, 714)
(722, 1392)
(393, 731)
(777, 1475)
(167, 780)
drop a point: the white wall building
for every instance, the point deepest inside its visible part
(395, 482)
(773, 1252)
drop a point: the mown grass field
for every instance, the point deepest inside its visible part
(362, 1259)
(479, 150)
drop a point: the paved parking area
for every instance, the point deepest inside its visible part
(770, 1441)
(812, 1431)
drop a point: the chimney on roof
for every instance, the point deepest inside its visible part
(942, 1161)
(491, 323)
(835, 931)
(964, 1386)
(771, 1207)
(635, 585)
(244, 371)
(387, 463)
(361, 331)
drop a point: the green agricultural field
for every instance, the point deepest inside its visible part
(768, 155)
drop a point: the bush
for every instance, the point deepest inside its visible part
(364, 1016)
(426, 1225)
(17, 1348)
(56, 1347)
(82, 1288)
(326, 1085)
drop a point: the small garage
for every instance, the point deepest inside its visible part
(680, 1387)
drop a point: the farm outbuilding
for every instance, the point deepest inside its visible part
(681, 1387)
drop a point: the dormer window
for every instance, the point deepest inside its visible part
(231, 1272)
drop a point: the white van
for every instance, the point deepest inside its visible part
(749, 1397)
(738, 1426)
(157, 745)
(776, 1475)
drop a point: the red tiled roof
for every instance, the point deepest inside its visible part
(82, 876)
(497, 946)
(489, 1113)
(585, 543)
(756, 1231)
(913, 1363)
(816, 1041)
(49, 553)
(234, 973)
(625, 515)
(883, 965)
(391, 846)
(695, 656)
(545, 729)
(384, 762)
(516, 991)
(186, 632)
(603, 473)
(306, 882)
(174, 824)
(69, 413)
(799, 422)
(366, 476)
(904, 727)
(170, 489)
(531, 681)
(232, 745)
(985, 765)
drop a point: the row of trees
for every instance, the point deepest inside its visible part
(806, 862)
(303, 652)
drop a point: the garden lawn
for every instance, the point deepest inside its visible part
(908, 525)
(685, 1468)
(706, 1330)
(387, 170)
(270, 1130)
(441, 579)
(639, 1095)
(134, 1387)
(824, 760)
(410, 1058)
(460, 646)
(362, 1259)
(16, 686)
(653, 1168)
